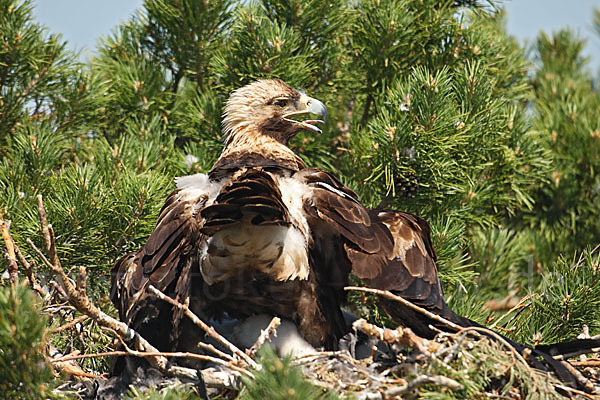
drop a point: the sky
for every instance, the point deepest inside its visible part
(82, 22)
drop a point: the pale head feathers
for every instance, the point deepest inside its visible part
(248, 107)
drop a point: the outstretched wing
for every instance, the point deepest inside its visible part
(387, 250)
(166, 262)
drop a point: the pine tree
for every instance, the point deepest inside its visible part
(434, 110)
(567, 203)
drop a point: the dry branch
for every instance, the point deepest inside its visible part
(403, 336)
(264, 336)
(582, 380)
(10, 251)
(408, 304)
(520, 304)
(566, 356)
(29, 272)
(593, 363)
(69, 324)
(214, 350)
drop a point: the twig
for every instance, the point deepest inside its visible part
(130, 352)
(436, 380)
(29, 272)
(264, 336)
(68, 366)
(404, 336)
(582, 380)
(595, 350)
(193, 356)
(69, 324)
(10, 251)
(312, 357)
(408, 304)
(202, 325)
(454, 349)
(517, 306)
(47, 233)
(213, 349)
(575, 391)
(593, 363)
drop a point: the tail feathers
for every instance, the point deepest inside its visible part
(571, 348)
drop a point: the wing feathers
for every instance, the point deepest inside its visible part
(165, 261)
(253, 193)
(388, 250)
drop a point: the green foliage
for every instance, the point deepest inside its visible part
(162, 394)
(568, 298)
(278, 379)
(503, 259)
(183, 34)
(39, 78)
(446, 139)
(482, 367)
(567, 204)
(24, 373)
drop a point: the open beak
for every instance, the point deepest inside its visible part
(313, 106)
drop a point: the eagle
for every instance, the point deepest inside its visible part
(262, 233)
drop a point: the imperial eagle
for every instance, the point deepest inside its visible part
(263, 234)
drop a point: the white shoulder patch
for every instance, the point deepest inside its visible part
(197, 180)
(200, 182)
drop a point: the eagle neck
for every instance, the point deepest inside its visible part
(249, 148)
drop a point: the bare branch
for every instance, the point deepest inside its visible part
(47, 233)
(519, 305)
(214, 350)
(29, 272)
(264, 336)
(408, 304)
(69, 324)
(10, 251)
(403, 336)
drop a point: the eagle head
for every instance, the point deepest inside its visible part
(272, 108)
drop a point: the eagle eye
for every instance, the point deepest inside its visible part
(280, 102)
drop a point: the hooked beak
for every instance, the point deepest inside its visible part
(313, 106)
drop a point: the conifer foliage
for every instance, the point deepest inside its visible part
(433, 109)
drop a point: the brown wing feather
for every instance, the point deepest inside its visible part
(337, 205)
(387, 250)
(166, 262)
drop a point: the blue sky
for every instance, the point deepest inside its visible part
(82, 22)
